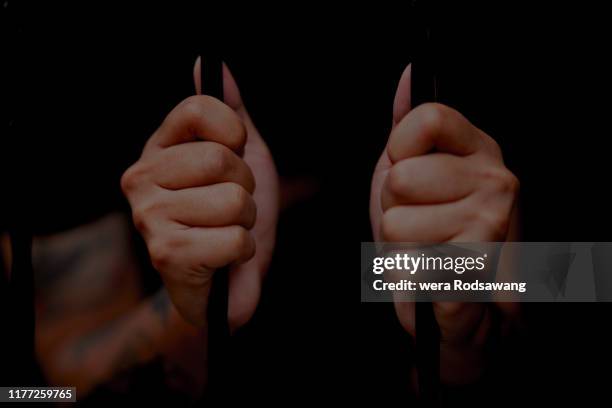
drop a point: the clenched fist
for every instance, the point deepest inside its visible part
(204, 194)
(442, 179)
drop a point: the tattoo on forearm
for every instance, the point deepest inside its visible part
(81, 269)
(94, 339)
(91, 271)
(132, 354)
(57, 264)
(160, 305)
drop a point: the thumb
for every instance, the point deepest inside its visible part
(401, 106)
(401, 102)
(231, 93)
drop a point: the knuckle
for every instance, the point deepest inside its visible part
(501, 180)
(161, 252)
(132, 178)
(240, 240)
(192, 107)
(238, 135)
(239, 199)
(139, 220)
(492, 145)
(196, 107)
(144, 213)
(432, 117)
(218, 159)
(512, 183)
(397, 180)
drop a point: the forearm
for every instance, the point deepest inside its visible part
(152, 330)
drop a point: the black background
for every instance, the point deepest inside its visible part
(84, 87)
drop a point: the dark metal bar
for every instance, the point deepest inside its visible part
(211, 73)
(424, 88)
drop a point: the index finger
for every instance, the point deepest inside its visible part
(432, 126)
(200, 117)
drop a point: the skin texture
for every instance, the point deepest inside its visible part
(92, 323)
(204, 194)
(441, 179)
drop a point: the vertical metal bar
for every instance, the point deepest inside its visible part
(211, 72)
(20, 322)
(424, 88)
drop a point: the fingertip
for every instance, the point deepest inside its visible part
(401, 102)
(245, 291)
(406, 315)
(231, 91)
(197, 78)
